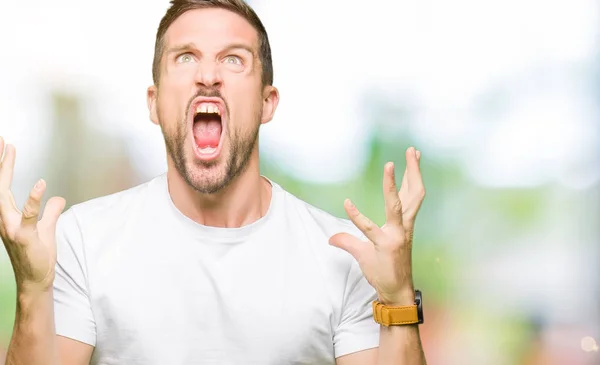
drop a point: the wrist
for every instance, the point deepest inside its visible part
(399, 311)
(27, 292)
(35, 287)
(400, 299)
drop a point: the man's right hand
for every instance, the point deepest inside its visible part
(31, 246)
(30, 243)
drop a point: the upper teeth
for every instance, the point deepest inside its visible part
(208, 108)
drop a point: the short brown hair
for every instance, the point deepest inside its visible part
(178, 7)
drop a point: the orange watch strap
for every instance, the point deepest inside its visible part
(390, 316)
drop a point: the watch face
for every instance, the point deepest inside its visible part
(419, 303)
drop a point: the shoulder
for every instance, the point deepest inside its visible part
(113, 207)
(311, 228)
(313, 217)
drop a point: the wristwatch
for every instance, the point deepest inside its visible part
(398, 316)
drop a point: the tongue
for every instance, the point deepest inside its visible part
(207, 133)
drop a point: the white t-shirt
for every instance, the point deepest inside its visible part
(144, 284)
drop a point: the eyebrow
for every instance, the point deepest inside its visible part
(190, 46)
(238, 46)
(181, 48)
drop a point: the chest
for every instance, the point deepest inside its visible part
(255, 303)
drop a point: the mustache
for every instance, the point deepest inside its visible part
(208, 93)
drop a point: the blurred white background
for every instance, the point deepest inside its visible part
(507, 93)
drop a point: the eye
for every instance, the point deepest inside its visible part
(232, 60)
(185, 58)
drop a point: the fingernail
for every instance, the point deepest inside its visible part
(350, 204)
(39, 184)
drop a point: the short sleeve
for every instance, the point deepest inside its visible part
(72, 307)
(357, 330)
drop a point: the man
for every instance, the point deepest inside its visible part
(211, 263)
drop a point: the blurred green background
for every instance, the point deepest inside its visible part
(502, 98)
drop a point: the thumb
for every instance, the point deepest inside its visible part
(52, 211)
(348, 243)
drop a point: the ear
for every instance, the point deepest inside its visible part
(152, 96)
(270, 102)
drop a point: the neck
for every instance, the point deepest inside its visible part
(245, 200)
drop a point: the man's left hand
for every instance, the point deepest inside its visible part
(386, 258)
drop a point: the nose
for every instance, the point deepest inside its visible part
(208, 75)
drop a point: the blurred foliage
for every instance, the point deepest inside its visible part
(7, 302)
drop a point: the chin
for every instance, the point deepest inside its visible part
(208, 178)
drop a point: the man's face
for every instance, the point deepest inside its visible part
(210, 101)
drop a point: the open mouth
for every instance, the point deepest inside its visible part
(207, 128)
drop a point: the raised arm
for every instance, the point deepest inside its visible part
(31, 247)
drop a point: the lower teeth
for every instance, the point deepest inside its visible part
(207, 150)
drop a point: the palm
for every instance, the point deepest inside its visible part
(37, 244)
(373, 257)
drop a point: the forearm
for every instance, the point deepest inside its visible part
(34, 338)
(400, 345)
